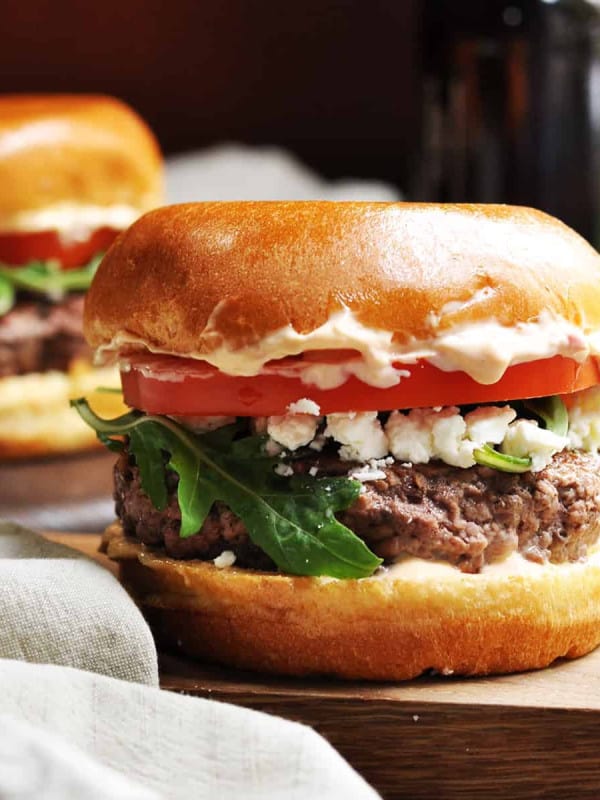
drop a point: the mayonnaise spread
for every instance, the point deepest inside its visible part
(483, 350)
(74, 221)
(421, 569)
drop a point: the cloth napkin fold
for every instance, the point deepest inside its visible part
(101, 734)
(59, 607)
(84, 736)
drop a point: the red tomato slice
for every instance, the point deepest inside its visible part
(19, 248)
(169, 385)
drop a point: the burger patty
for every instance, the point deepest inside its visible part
(40, 336)
(467, 517)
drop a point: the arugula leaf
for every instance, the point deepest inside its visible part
(291, 519)
(487, 456)
(148, 456)
(552, 411)
(7, 296)
(43, 277)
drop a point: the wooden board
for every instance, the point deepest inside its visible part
(70, 492)
(534, 735)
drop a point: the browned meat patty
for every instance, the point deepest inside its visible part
(39, 336)
(222, 530)
(467, 517)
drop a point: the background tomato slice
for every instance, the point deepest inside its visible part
(20, 248)
(168, 385)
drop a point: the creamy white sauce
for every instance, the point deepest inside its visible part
(420, 569)
(74, 222)
(483, 350)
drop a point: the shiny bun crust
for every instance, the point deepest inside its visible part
(246, 269)
(35, 417)
(71, 149)
(373, 628)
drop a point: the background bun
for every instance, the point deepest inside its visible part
(413, 269)
(74, 149)
(35, 416)
(371, 628)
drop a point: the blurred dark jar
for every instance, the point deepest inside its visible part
(511, 106)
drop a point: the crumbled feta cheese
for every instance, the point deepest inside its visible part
(360, 434)
(318, 443)
(284, 470)
(203, 424)
(226, 559)
(410, 435)
(427, 433)
(366, 472)
(488, 424)
(304, 406)
(313, 471)
(524, 438)
(293, 430)
(449, 444)
(584, 420)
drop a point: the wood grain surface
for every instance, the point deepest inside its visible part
(70, 492)
(534, 735)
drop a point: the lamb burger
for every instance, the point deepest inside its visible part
(363, 438)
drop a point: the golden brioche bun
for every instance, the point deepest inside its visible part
(374, 628)
(35, 417)
(239, 271)
(74, 149)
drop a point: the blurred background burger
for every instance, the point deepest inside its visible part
(74, 172)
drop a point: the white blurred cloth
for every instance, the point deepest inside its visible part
(60, 607)
(67, 734)
(70, 734)
(240, 172)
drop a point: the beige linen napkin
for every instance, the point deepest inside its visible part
(59, 607)
(141, 743)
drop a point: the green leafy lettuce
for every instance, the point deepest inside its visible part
(45, 278)
(291, 518)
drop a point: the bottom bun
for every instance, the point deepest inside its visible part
(392, 627)
(35, 417)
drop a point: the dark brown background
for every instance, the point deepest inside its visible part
(334, 80)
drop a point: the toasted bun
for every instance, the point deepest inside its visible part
(35, 417)
(374, 628)
(74, 149)
(239, 271)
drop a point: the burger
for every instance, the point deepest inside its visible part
(74, 172)
(363, 438)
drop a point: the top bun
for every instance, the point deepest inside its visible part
(238, 271)
(74, 149)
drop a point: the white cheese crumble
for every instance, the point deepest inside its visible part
(304, 406)
(318, 443)
(489, 423)
(584, 420)
(369, 472)
(293, 430)
(525, 438)
(425, 434)
(226, 559)
(360, 434)
(284, 470)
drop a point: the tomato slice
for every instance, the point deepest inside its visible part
(170, 385)
(20, 248)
